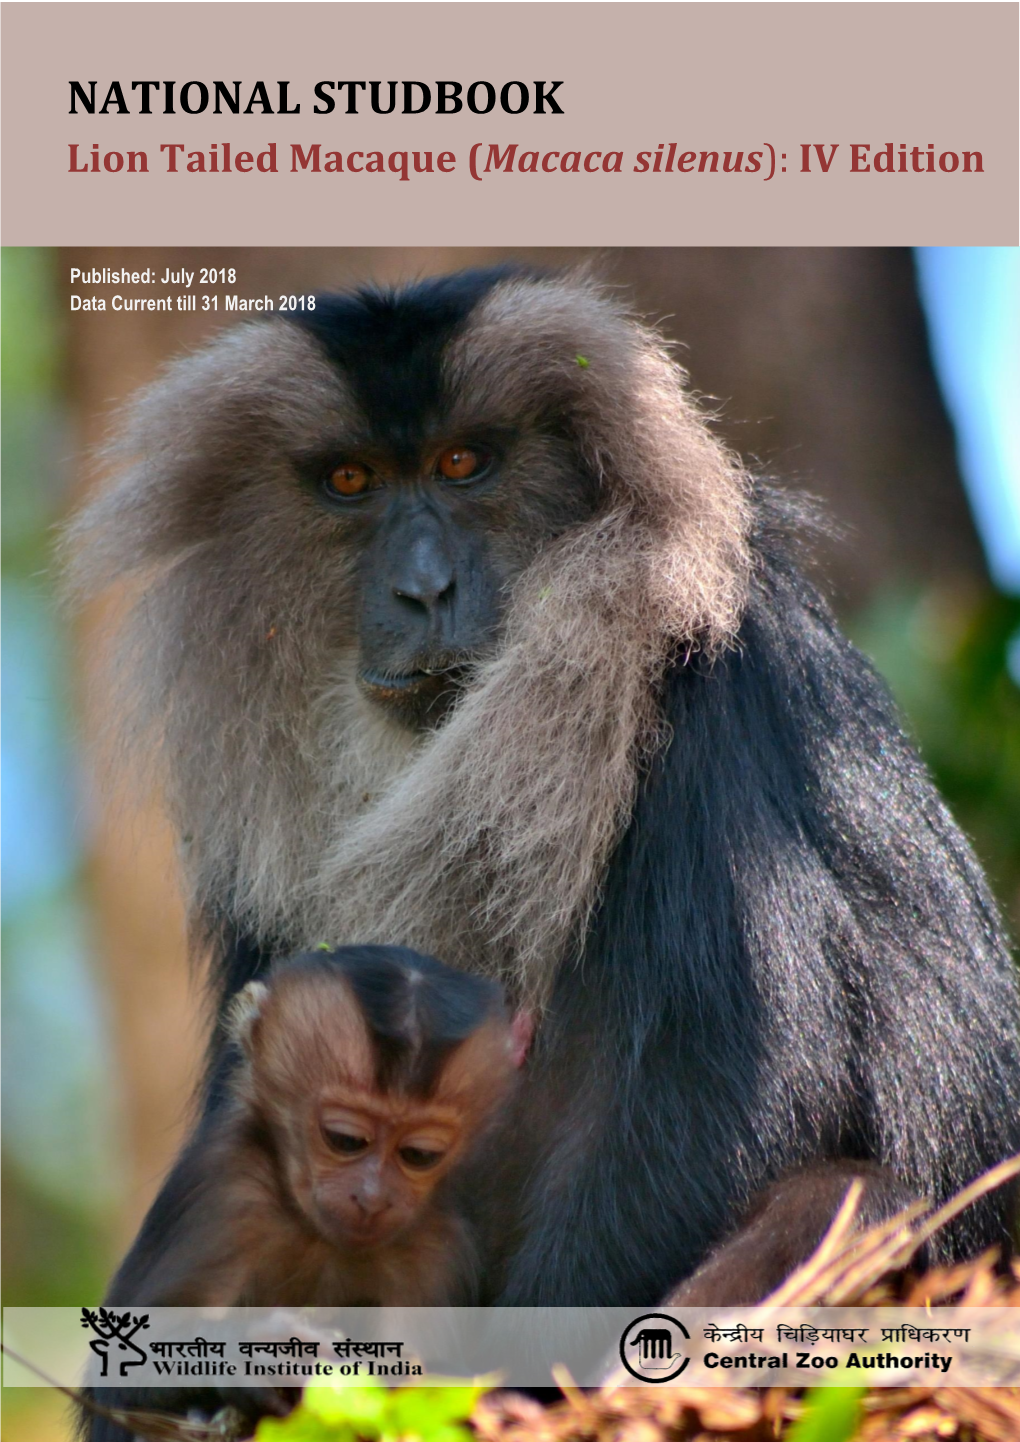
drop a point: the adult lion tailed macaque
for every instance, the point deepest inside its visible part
(367, 1074)
(455, 626)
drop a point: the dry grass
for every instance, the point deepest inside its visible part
(850, 1268)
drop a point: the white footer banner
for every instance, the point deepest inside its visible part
(514, 1347)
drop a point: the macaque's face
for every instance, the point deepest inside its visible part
(362, 1160)
(373, 1162)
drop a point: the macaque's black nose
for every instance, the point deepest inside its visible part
(426, 586)
(424, 574)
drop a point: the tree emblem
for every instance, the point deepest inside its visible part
(114, 1331)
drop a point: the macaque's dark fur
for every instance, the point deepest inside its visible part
(674, 808)
(241, 1240)
(801, 960)
(767, 1244)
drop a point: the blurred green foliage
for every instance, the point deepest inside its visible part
(31, 348)
(832, 1415)
(344, 1411)
(946, 657)
(30, 344)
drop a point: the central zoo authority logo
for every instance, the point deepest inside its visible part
(652, 1348)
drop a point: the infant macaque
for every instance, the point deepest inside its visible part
(368, 1074)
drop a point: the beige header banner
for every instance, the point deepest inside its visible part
(475, 124)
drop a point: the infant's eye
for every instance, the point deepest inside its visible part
(344, 1142)
(462, 463)
(351, 479)
(419, 1158)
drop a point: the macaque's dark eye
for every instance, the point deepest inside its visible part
(462, 463)
(419, 1159)
(345, 1142)
(351, 479)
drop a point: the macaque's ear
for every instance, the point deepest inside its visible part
(244, 1011)
(522, 1033)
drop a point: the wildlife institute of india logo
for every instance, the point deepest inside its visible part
(652, 1348)
(115, 1332)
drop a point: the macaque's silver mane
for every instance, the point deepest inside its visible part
(318, 817)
